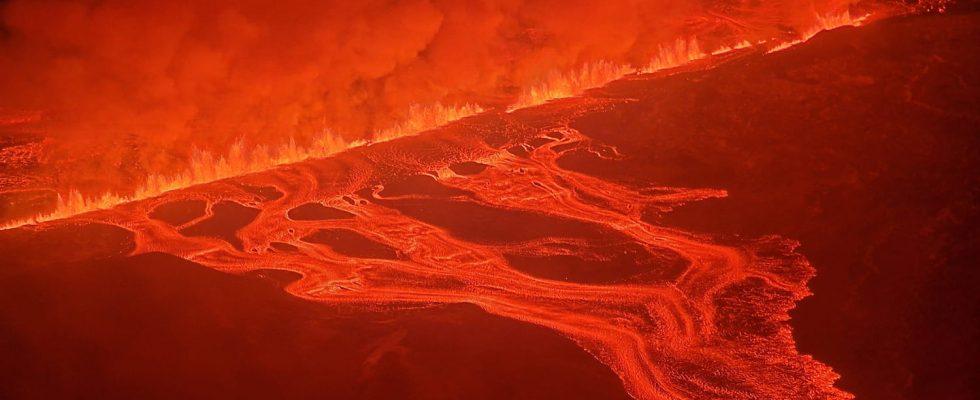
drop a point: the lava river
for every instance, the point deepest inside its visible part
(480, 212)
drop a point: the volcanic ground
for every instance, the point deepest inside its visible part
(656, 238)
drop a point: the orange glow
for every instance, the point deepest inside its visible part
(398, 245)
(558, 85)
(641, 184)
(240, 159)
(827, 22)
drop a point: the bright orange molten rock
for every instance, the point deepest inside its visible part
(662, 308)
(489, 217)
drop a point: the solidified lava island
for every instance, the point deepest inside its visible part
(489, 200)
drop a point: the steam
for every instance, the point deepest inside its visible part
(131, 87)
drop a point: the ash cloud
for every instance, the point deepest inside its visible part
(163, 76)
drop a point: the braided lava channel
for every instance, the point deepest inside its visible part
(479, 212)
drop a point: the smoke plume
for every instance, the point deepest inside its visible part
(134, 85)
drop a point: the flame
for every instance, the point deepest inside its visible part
(676, 55)
(728, 49)
(824, 23)
(208, 167)
(240, 159)
(557, 85)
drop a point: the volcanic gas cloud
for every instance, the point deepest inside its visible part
(143, 97)
(396, 193)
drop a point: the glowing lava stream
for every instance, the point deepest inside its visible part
(481, 212)
(206, 167)
(683, 315)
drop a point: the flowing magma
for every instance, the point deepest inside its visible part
(484, 212)
(507, 206)
(241, 158)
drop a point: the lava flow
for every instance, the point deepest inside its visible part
(482, 214)
(582, 210)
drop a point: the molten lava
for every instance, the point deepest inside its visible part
(506, 228)
(471, 200)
